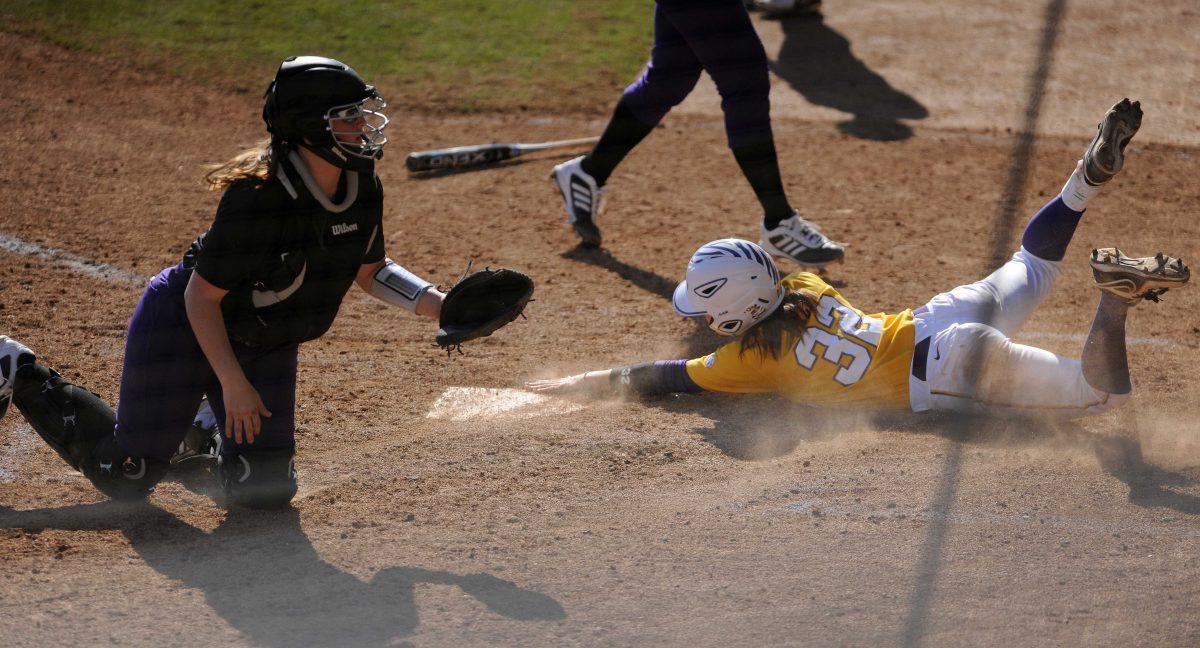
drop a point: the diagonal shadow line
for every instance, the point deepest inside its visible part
(700, 342)
(931, 551)
(647, 280)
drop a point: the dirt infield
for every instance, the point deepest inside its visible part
(442, 505)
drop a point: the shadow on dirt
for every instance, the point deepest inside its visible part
(1119, 456)
(816, 61)
(699, 342)
(1148, 484)
(261, 573)
(757, 427)
(651, 282)
(749, 427)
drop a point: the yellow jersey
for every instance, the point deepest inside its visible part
(844, 357)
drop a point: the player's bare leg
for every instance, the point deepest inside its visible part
(1105, 362)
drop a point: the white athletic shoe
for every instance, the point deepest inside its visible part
(582, 198)
(780, 8)
(202, 443)
(801, 241)
(10, 352)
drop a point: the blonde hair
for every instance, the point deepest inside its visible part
(257, 162)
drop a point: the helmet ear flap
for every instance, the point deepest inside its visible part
(730, 327)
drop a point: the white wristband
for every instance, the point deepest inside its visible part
(398, 287)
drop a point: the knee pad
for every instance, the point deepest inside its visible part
(69, 418)
(262, 479)
(120, 475)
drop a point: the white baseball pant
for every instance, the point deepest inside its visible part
(973, 366)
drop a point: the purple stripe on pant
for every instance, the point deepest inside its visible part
(714, 36)
(166, 374)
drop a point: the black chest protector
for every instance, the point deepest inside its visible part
(288, 255)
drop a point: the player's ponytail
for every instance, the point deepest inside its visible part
(258, 162)
(789, 320)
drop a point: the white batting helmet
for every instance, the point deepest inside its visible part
(732, 281)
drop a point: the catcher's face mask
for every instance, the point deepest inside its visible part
(359, 129)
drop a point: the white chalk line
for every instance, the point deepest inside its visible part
(1080, 337)
(99, 270)
(71, 261)
(19, 445)
(473, 403)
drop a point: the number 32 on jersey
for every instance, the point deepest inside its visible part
(844, 338)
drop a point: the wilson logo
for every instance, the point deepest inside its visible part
(343, 228)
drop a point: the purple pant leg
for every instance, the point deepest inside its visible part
(669, 77)
(164, 374)
(272, 372)
(717, 37)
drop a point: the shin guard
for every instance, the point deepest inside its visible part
(78, 425)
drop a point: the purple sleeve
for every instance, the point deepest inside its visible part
(673, 377)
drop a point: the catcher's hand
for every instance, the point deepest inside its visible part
(480, 303)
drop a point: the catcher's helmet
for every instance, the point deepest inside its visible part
(314, 99)
(732, 281)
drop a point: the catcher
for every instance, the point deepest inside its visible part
(803, 340)
(300, 220)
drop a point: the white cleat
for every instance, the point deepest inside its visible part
(781, 8)
(1105, 156)
(582, 198)
(11, 352)
(801, 242)
(1134, 279)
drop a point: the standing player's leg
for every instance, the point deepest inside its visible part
(668, 78)
(723, 38)
(262, 474)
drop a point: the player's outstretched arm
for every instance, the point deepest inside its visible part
(646, 379)
(592, 383)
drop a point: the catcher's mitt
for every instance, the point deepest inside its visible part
(480, 303)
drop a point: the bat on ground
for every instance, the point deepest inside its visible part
(461, 157)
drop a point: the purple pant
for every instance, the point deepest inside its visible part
(166, 375)
(714, 36)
